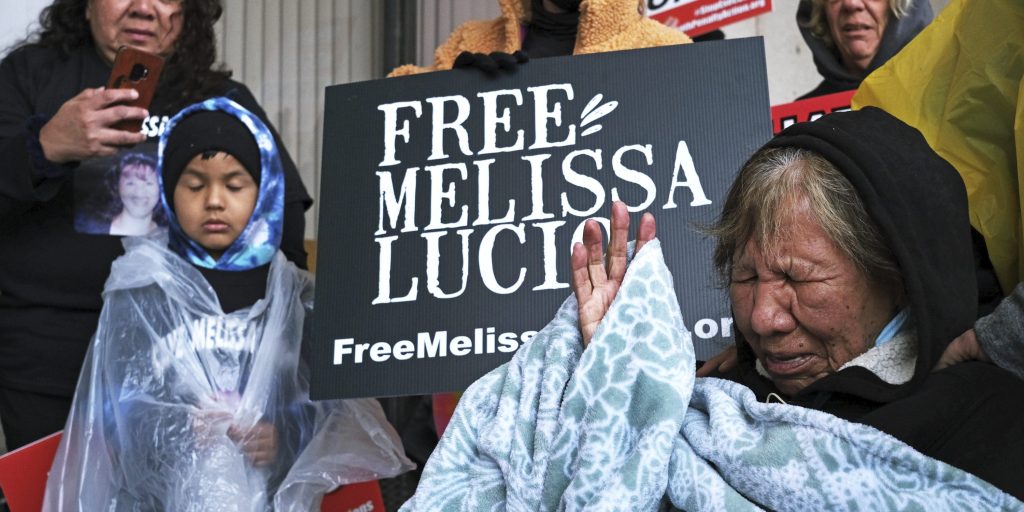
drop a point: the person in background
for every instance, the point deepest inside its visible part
(548, 28)
(56, 121)
(969, 110)
(851, 38)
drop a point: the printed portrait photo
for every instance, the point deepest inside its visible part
(119, 195)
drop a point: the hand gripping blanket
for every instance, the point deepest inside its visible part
(624, 425)
(168, 374)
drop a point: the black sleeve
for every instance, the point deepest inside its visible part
(293, 235)
(296, 198)
(22, 183)
(967, 415)
(989, 291)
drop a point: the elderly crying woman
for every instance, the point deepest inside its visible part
(845, 247)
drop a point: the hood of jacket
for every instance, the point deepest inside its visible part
(898, 32)
(261, 237)
(919, 203)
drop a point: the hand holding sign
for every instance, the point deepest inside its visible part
(491, 63)
(594, 284)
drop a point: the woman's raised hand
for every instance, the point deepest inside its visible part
(595, 281)
(82, 127)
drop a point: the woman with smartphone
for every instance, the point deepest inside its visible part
(58, 124)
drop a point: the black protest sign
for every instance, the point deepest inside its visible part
(450, 200)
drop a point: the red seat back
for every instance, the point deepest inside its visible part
(23, 473)
(361, 497)
(444, 408)
(23, 479)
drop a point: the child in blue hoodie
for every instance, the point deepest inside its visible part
(194, 395)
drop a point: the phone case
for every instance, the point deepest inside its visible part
(137, 70)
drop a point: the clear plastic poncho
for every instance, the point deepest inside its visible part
(168, 373)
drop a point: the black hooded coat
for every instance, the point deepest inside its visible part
(970, 415)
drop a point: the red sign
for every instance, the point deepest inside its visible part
(810, 109)
(696, 17)
(23, 472)
(361, 497)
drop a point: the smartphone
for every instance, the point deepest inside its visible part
(137, 70)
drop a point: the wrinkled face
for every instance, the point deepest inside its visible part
(808, 309)
(149, 25)
(213, 201)
(856, 27)
(139, 190)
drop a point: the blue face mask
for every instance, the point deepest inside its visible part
(261, 237)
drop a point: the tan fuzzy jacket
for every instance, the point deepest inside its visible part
(605, 25)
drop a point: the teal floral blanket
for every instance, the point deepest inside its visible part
(624, 425)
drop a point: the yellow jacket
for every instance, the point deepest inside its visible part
(605, 25)
(959, 82)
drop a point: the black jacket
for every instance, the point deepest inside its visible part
(50, 275)
(968, 415)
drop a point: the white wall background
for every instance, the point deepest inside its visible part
(287, 52)
(18, 19)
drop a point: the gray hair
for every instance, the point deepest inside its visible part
(760, 199)
(818, 22)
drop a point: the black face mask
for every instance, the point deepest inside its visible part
(559, 24)
(568, 5)
(550, 34)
